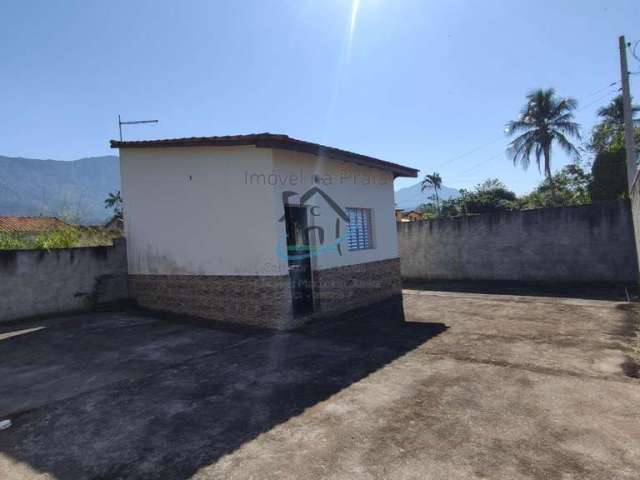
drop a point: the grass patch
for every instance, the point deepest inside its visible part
(69, 237)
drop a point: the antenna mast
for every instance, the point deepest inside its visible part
(132, 122)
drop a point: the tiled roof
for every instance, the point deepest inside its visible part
(271, 140)
(29, 224)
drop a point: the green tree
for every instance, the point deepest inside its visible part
(544, 120)
(428, 211)
(570, 186)
(489, 196)
(609, 133)
(609, 175)
(114, 201)
(433, 181)
(609, 170)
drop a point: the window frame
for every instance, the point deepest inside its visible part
(368, 223)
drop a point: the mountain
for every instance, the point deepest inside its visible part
(411, 197)
(76, 190)
(73, 190)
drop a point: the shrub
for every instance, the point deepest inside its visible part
(64, 238)
(9, 241)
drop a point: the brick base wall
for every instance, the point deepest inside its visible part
(343, 288)
(265, 301)
(261, 301)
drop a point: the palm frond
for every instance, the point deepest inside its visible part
(568, 147)
(561, 108)
(570, 128)
(520, 148)
(544, 118)
(539, 154)
(515, 126)
(565, 117)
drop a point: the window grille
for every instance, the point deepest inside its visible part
(359, 229)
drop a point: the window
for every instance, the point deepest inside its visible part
(359, 229)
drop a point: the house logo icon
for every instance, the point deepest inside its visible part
(297, 245)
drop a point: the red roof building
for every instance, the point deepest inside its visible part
(30, 225)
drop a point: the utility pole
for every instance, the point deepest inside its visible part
(629, 137)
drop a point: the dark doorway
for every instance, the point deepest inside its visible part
(299, 259)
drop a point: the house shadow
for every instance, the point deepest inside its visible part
(171, 423)
(586, 291)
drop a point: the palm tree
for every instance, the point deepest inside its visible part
(545, 119)
(613, 114)
(432, 181)
(610, 130)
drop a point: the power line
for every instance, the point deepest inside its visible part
(473, 150)
(599, 99)
(493, 157)
(633, 46)
(479, 164)
(612, 84)
(480, 147)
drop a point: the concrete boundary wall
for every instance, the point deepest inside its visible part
(585, 244)
(41, 282)
(635, 212)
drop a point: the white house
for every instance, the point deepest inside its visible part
(257, 229)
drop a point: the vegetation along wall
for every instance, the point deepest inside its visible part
(42, 282)
(583, 244)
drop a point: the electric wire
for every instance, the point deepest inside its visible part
(480, 147)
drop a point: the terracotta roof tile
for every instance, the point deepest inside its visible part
(29, 224)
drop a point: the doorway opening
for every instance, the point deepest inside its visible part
(299, 259)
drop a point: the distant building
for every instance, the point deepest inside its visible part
(413, 216)
(28, 226)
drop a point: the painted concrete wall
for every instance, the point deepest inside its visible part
(593, 243)
(39, 282)
(349, 185)
(190, 211)
(635, 212)
(216, 210)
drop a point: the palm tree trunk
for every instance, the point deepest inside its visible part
(547, 170)
(547, 160)
(437, 199)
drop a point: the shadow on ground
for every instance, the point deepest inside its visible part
(557, 290)
(120, 396)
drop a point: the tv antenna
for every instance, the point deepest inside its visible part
(132, 122)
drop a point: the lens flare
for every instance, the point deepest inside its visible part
(355, 6)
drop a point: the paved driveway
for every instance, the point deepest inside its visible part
(468, 386)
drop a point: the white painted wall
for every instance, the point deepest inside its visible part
(349, 185)
(215, 210)
(188, 211)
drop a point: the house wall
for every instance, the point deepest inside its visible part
(349, 185)
(41, 282)
(203, 230)
(348, 279)
(189, 211)
(591, 243)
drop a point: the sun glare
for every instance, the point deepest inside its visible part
(355, 6)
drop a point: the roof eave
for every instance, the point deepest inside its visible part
(275, 141)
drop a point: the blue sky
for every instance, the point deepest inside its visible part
(417, 82)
